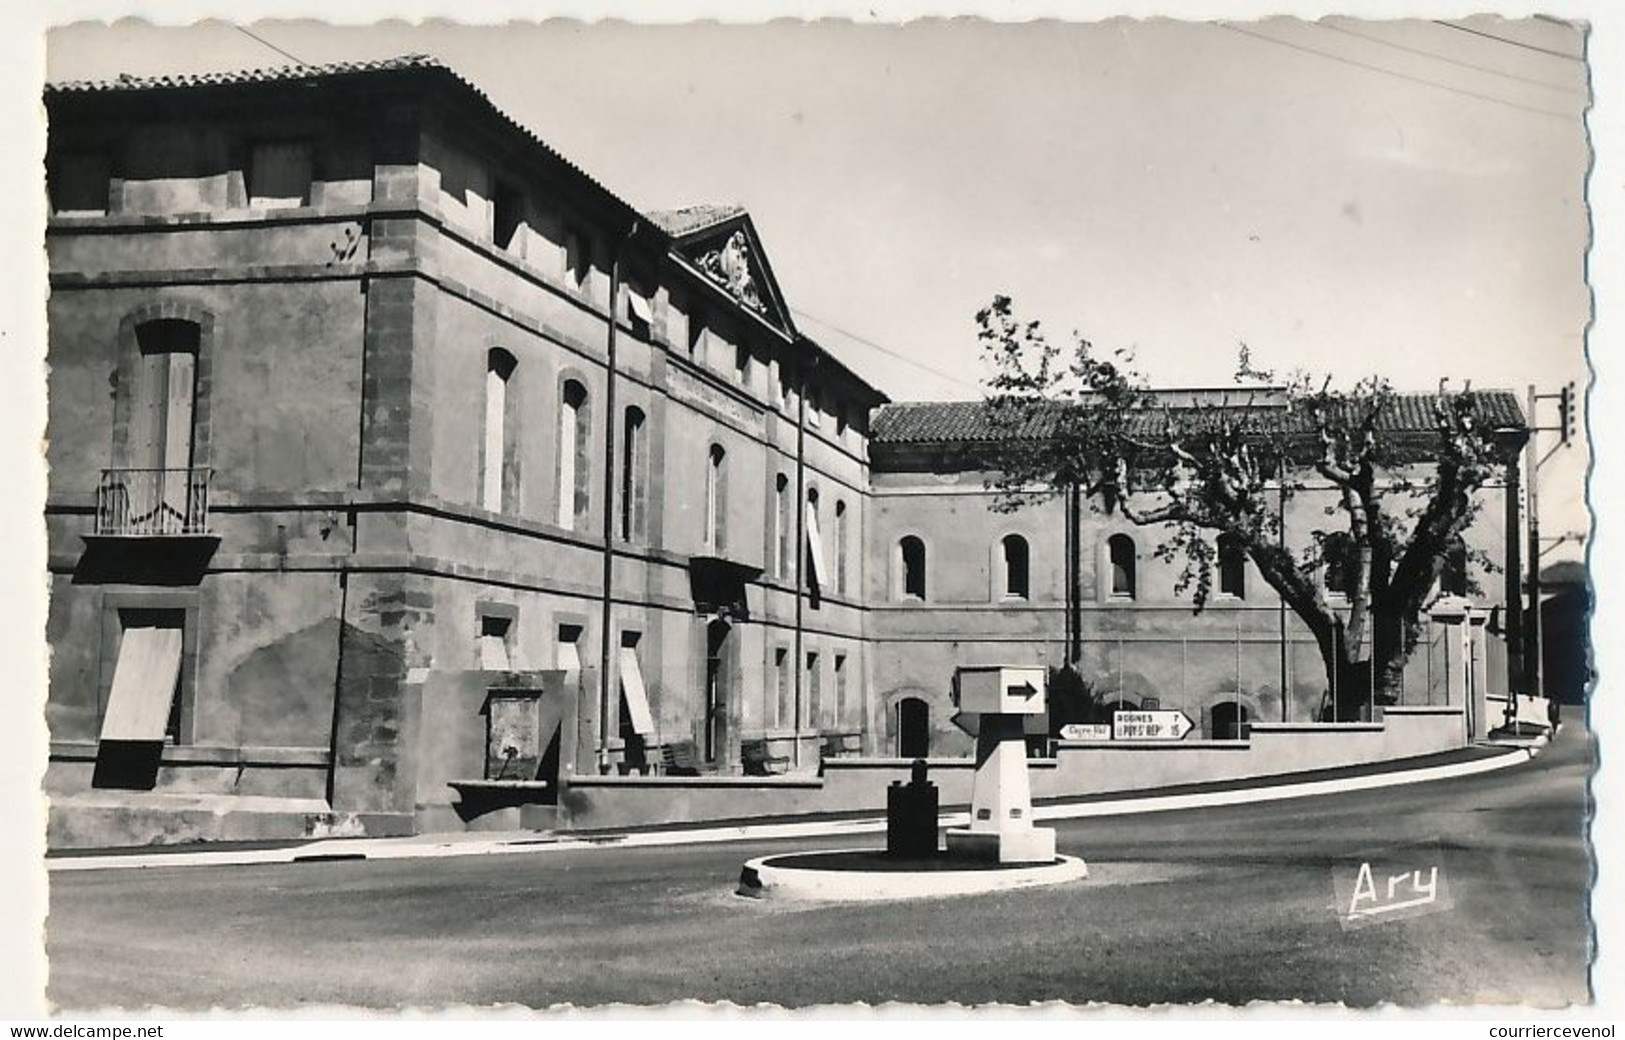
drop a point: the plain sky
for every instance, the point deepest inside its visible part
(1399, 197)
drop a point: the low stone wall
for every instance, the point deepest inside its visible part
(858, 785)
(204, 769)
(1531, 710)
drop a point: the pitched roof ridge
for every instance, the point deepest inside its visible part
(261, 74)
(685, 220)
(296, 73)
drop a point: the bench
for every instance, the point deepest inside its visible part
(680, 758)
(758, 761)
(837, 745)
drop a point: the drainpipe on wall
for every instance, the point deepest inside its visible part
(800, 554)
(607, 503)
(1512, 591)
(1074, 579)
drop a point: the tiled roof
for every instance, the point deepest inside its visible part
(673, 224)
(689, 219)
(968, 422)
(424, 63)
(274, 74)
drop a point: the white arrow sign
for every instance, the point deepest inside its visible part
(1150, 725)
(1031, 725)
(969, 721)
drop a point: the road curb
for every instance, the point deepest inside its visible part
(400, 848)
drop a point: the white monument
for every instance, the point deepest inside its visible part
(995, 704)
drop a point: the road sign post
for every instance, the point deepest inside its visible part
(994, 704)
(1151, 725)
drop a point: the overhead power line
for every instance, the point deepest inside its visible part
(1453, 61)
(872, 345)
(291, 57)
(1508, 41)
(1398, 75)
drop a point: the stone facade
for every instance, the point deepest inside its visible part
(461, 420)
(1221, 666)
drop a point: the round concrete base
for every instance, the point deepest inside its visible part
(860, 874)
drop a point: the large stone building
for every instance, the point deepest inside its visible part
(399, 470)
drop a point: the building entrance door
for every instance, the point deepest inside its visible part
(714, 736)
(913, 728)
(1227, 720)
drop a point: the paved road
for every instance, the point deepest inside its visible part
(1233, 904)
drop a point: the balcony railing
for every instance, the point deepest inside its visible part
(149, 503)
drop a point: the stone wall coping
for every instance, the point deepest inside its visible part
(808, 782)
(208, 754)
(1153, 745)
(877, 762)
(1428, 709)
(1324, 728)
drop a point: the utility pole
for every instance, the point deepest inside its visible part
(1280, 539)
(1567, 409)
(1534, 667)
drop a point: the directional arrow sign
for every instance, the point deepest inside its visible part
(971, 723)
(1025, 690)
(1150, 725)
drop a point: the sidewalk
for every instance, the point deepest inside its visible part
(1477, 758)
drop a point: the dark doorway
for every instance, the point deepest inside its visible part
(1228, 720)
(913, 728)
(716, 692)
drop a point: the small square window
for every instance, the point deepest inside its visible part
(279, 175)
(494, 632)
(79, 184)
(577, 258)
(507, 217)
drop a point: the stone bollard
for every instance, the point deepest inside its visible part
(911, 816)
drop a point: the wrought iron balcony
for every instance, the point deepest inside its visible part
(153, 503)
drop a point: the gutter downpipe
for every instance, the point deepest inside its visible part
(801, 555)
(608, 503)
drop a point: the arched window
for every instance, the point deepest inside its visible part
(163, 430)
(499, 368)
(716, 498)
(1453, 573)
(574, 436)
(1228, 720)
(840, 547)
(816, 578)
(911, 563)
(1120, 549)
(166, 393)
(1342, 561)
(1017, 584)
(634, 448)
(781, 526)
(913, 728)
(1232, 567)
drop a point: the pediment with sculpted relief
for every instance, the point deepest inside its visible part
(722, 244)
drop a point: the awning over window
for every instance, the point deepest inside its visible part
(639, 306)
(569, 658)
(144, 681)
(494, 653)
(637, 698)
(815, 547)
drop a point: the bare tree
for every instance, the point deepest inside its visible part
(1402, 490)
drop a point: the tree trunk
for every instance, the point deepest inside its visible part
(1349, 682)
(1388, 656)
